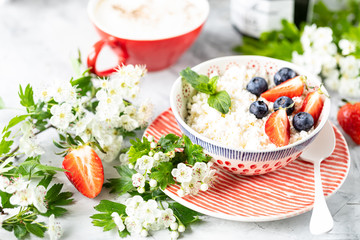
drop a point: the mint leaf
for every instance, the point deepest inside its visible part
(162, 174)
(199, 82)
(221, 101)
(123, 184)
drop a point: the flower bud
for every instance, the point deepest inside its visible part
(150, 138)
(131, 166)
(181, 228)
(174, 226)
(174, 235)
(153, 145)
(151, 153)
(204, 187)
(153, 183)
(141, 189)
(144, 233)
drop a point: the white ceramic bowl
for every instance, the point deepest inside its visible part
(236, 160)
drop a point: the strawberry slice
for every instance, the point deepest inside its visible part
(313, 104)
(277, 127)
(291, 88)
(85, 170)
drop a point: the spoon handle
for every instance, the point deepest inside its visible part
(321, 219)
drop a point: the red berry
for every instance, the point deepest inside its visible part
(313, 104)
(277, 127)
(349, 119)
(85, 170)
(291, 88)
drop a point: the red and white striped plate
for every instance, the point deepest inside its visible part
(284, 193)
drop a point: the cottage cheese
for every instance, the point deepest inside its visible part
(238, 128)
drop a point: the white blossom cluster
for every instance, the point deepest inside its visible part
(27, 141)
(321, 57)
(23, 195)
(144, 216)
(112, 113)
(193, 179)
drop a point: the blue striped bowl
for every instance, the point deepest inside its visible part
(236, 160)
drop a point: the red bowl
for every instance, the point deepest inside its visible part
(156, 54)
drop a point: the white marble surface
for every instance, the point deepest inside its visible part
(37, 38)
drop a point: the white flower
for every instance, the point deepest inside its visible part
(144, 233)
(133, 225)
(308, 36)
(182, 173)
(138, 180)
(82, 124)
(130, 111)
(346, 46)
(54, 228)
(145, 112)
(145, 163)
(153, 145)
(209, 177)
(204, 187)
(150, 138)
(133, 204)
(61, 115)
(167, 217)
(22, 198)
(332, 81)
(112, 149)
(45, 94)
(124, 159)
(191, 187)
(349, 66)
(350, 87)
(149, 211)
(64, 92)
(4, 183)
(18, 184)
(118, 221)
(199, 170)
(128, 123)
(322, 36)
(38, 198)
(29, 147)
(161, 157)
(3, 167)
(27, 129)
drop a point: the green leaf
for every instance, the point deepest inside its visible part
(49, 168)
(35, 229)
(221, 101)
(186, 215)
(14, 121)
(5, 200)
(201, 83)
(124, 233)
(5, 146)
(53, 193)
(169, 142)
(107, 206)
(20, 230)
(123, 184)
(162, 174)
(138, 149)
(194, 153)
(45, 181)
(83, 84)
(2, 104)
(27, 96)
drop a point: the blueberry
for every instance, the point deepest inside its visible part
(283, 75)
(257, 86)
(259, 109)
(303, 121)
(284, 102)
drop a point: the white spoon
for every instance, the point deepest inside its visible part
(323, 145)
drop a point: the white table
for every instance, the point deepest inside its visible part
(37, 38)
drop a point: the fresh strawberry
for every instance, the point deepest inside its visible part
(291, 88)
(277, 127)
(313, 104)
(349, 119)
(85, 170)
